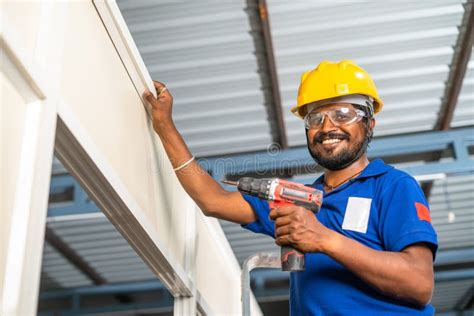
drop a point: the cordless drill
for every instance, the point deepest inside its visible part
(278, 193)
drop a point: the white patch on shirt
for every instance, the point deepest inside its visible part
(357, 214)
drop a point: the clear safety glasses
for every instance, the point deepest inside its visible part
(338, 116)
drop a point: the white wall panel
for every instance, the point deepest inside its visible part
(12, 121)
(90, 86)
(214, 259)
(26, 28)
(98, 91)
(30, 43)
(102, 109)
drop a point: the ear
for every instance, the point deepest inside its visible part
(308, 137)
(370, 132)
(372, 123)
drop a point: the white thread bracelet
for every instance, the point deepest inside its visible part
(184, 164)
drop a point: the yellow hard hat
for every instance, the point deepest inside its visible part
(332, 80)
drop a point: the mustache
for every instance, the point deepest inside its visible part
(319, 137)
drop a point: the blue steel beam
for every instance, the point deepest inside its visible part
(421, 142)
(299, 158)
(455, 275)
(157, 306)
(259, 277)
(163, 301)
(463, 255)
(80, 203)
(106, 289)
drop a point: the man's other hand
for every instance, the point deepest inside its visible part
(299, 227)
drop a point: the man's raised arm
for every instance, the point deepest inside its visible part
(204, 190)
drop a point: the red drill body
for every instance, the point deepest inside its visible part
(280, 192)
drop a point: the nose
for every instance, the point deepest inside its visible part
(327, 124)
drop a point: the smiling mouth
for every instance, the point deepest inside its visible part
(331, 141)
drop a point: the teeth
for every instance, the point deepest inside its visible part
(331, 141)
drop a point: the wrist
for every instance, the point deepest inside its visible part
(164, 126)
(331, 242)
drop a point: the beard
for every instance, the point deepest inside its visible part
(336, 161)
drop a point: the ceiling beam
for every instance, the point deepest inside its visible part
(466, 301)
(299, 160)
(458, 69)
(67, 252)
(260, 26)
(456, 75)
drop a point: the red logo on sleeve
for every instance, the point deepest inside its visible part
(423, 212)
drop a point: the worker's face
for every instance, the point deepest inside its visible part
(334, 146)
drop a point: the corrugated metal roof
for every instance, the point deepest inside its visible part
(57, 272)
(206, 56)
(452, 205)
(405, 46)
(98, 243)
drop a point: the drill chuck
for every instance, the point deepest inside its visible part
(255, 187)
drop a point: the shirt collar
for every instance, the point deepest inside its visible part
(374, 168)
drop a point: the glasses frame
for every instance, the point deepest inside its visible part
(359, 115)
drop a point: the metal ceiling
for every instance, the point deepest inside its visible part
(406, 46)
(206, 55)
(452, 206)
(99, 244)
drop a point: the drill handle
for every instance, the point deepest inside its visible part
(291, 259)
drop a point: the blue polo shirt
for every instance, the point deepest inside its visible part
(384, 209)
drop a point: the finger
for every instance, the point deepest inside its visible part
(149, 96)
(283, 240)
(158, 85)
(161, 89)
(281, 211)
(282, 221)
(282, 231)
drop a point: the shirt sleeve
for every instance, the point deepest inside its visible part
(263, 224)
(405, 216)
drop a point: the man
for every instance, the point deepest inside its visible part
(371, 247)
